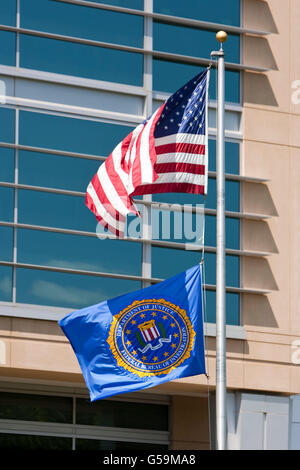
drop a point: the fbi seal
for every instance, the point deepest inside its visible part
(151, 337)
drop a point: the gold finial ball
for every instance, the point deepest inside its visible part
(221, 36)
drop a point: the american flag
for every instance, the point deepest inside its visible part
(166, 153)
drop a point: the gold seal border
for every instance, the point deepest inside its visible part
(121, 362)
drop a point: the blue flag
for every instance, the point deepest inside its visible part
(140, 339)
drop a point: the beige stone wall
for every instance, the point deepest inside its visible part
(271, 149)
(189, 423)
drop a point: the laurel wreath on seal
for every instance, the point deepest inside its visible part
(122, 363)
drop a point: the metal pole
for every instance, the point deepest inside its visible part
(221, 428)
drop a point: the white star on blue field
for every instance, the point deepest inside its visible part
(184, 111)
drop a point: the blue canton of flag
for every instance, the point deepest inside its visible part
(184, 111)
(140, 339)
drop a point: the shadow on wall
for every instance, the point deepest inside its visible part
(257, 236)
(258, 52)
(257, 311)
(257, 199)
(257, 89)
(256, 86)
(259, 16)
(257, 274)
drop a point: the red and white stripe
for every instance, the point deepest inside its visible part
(141, 164)
(181, 165)
(131, 164)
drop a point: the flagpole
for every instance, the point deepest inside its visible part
(221, 428)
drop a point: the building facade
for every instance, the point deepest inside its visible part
(76, 77)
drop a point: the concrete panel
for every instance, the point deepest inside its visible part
(251, 431)
(277, 427)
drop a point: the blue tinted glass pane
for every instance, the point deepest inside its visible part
(7, 48)
(135, 4)
(214, 11)
(181, 226)
(232, 269)
(76, 252)
(72, 135)
(232, 189)
(55, 210)
(232, 236)
(8, 11)
(6, 243)
(81, 60)
(68, 290)
(42, 169)
(86, 23)
(7, 161)
(232, 195)
(191, 41)
(6, 204)
(232, 308)
(232, 86)
(233, 233)
(7, 125)
(33, 442)
(167, 262)
(232, 157)
(170, 76)
(5, 284)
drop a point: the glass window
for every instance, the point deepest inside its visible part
(122, 414)
(232, 157)
(232, 307)
(88, 444)
(5, 284)
(86, 23)
(6, 243)
(214, 11)
(80, 60)
(31, 442)
(43, 169)
(183, 227)
(232, 195)
(28, 407)
(68, 290)
(7, 164)
(55, 210)
(167, 262)
(191, 41)
(180, 226)
(232, 235)
(7, 125)
(7, 48)
(8, 12)
(77, 252)
(170, 76)
(232, 269)
(7, 204)
(69, 134)
(178, 198)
